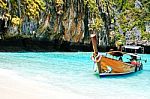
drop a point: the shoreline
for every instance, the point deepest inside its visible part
(13, 86)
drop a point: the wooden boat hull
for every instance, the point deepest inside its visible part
(114, 74)
(110, 67)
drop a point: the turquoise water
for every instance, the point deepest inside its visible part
(74, 72)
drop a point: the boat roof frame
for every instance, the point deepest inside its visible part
(116, 53)
(132, 47)
(122, 54)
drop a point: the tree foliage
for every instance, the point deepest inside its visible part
(29, 8)
(3, 4)
(95, 22)
(33, 7)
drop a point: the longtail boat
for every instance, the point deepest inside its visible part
(114, 65)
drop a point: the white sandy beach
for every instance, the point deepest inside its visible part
(13, 86)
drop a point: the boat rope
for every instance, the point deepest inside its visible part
(96, 58)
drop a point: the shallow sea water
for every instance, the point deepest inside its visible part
(73, 71)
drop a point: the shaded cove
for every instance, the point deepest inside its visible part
(34, 45)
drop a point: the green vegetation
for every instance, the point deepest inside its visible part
(95, 18)
(73, 20)
(3, 4)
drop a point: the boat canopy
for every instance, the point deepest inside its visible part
(131, 47)
(116, 53)
(135, 55)
(119, 53)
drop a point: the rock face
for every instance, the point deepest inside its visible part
(66, 22)
(73, 21)
(3, 27)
